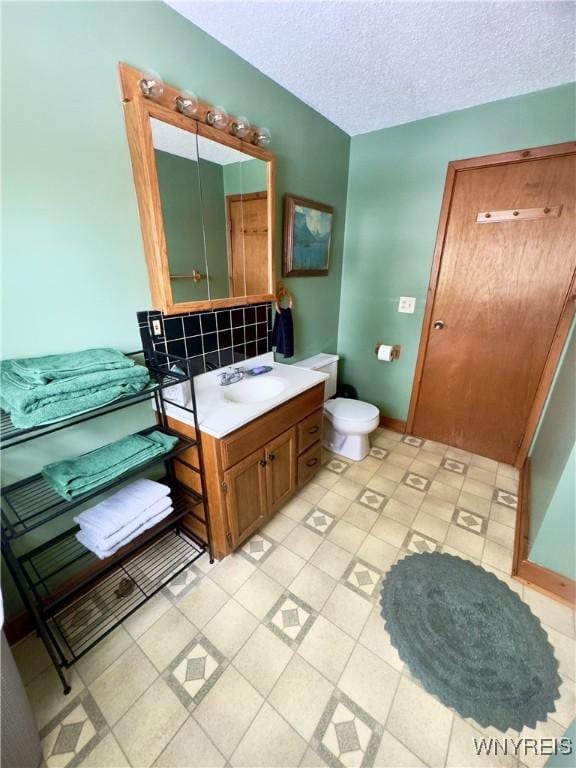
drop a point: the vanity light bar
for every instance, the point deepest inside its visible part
(187, 104)
(151, 86)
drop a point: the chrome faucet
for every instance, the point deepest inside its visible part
(231, 377)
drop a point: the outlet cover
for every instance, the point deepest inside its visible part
(407, 304)
(156, 327)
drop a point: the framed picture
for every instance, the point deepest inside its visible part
(307, 235)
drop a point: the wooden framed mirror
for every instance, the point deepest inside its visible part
(206, 205)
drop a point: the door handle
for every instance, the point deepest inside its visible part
(438, 325)
(263, 462)
(271, 456)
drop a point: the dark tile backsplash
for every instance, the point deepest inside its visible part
(210, 339)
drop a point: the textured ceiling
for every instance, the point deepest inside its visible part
(368, 65)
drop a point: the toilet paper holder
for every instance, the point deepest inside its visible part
(395, 350)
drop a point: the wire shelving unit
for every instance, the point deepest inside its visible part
(75, 599)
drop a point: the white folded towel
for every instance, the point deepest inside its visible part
(115, 512)
(106, 542)
(95, 545)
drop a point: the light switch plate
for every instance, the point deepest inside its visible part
(407, 304)
(156, 328)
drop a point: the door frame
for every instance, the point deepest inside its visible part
(553, 584)
(568, 309)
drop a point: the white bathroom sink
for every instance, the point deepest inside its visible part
(255, 390)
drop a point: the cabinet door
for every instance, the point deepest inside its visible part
(246, 496)
(281, 469)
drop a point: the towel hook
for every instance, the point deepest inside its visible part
(283, 294)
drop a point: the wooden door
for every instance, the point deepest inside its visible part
(255, 214)
(503, 283)
(248, 243)
(236, 280)
(281, 469)
(246, 500)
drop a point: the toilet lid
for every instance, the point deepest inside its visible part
(353, 410)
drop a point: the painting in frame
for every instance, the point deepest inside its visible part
(307, 236)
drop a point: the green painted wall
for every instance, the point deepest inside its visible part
(552, 526)
(563, 760)
(214, 207)
(70, 171)
(73, 271)
(182, 215)
(395, 188)
(245, 177)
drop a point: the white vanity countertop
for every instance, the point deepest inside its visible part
(219, 414)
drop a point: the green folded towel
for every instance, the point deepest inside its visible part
(78, 476)
(33, 371)
(46, 403)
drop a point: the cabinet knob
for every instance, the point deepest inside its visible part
(263, 462)
(313, 430)
(311, 462)
(271, 456)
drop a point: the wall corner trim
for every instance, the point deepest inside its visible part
(550, 583)
(396, 425)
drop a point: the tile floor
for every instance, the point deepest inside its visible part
(278, 656)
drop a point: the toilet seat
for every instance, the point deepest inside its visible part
(352, 411)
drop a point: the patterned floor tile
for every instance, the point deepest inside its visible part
(346, 736)
(412, 480)
(458, 467)
(87, 615)
(337, 465)
(433, 447)
(362, 578)
(506, 498)
(182, 583)
(291, 618)
(418, 543)
(320, 521)
(257, 548)
(69, 737)
(195, 670)
(417, 442)
(419, 494)
(371, 499)
(378, 453)
(469, 521)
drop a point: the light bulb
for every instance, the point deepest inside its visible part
(151, 86)
(187, 103)
(241, 127)
(262, 137)
(218, 118)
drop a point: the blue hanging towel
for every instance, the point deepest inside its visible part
(283, 333)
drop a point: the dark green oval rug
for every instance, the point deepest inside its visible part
(470, 640)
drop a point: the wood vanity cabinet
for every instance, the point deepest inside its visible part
(254, 471)
(246, 498)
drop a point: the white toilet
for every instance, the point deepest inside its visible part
(348, 423)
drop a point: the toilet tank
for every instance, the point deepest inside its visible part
(327, 364)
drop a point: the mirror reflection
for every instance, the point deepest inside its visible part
(215, 211)
(178, 172)
(234, 186)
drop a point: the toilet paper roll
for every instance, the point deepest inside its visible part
(385, 352)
